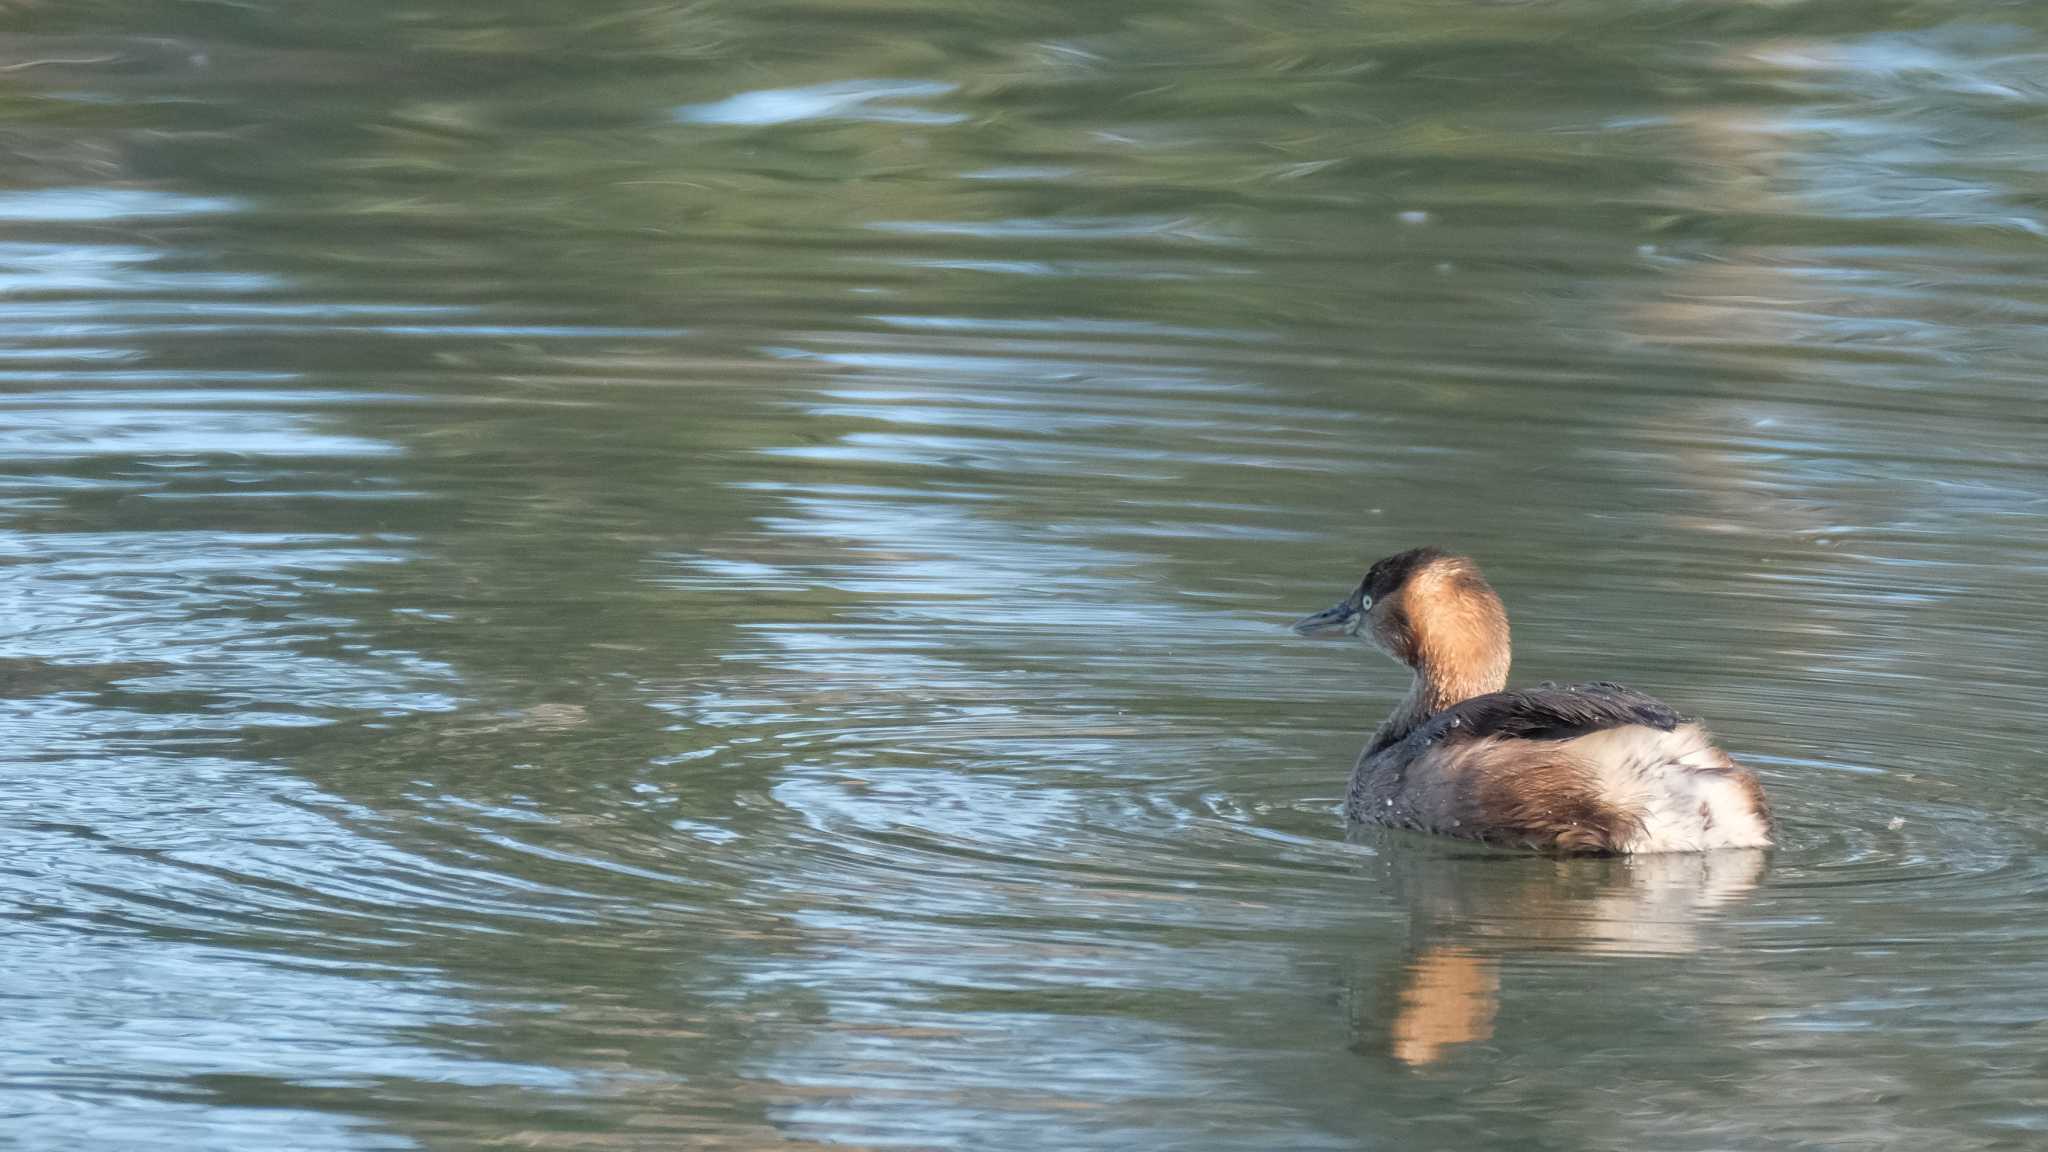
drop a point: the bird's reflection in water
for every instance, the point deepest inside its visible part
(1470, 910)
(1450, 997)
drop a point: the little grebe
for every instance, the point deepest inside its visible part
(1565, 768)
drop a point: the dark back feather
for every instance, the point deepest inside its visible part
(1547, 712)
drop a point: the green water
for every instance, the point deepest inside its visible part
(638, 575)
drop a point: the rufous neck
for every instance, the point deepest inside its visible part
(1431, 692)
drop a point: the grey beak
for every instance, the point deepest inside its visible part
(1336, 620)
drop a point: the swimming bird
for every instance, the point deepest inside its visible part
(1569, 768)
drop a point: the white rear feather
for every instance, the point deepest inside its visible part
(1678, 786)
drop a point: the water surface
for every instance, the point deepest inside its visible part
(652, 575)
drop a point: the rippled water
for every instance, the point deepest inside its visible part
(656, 575)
